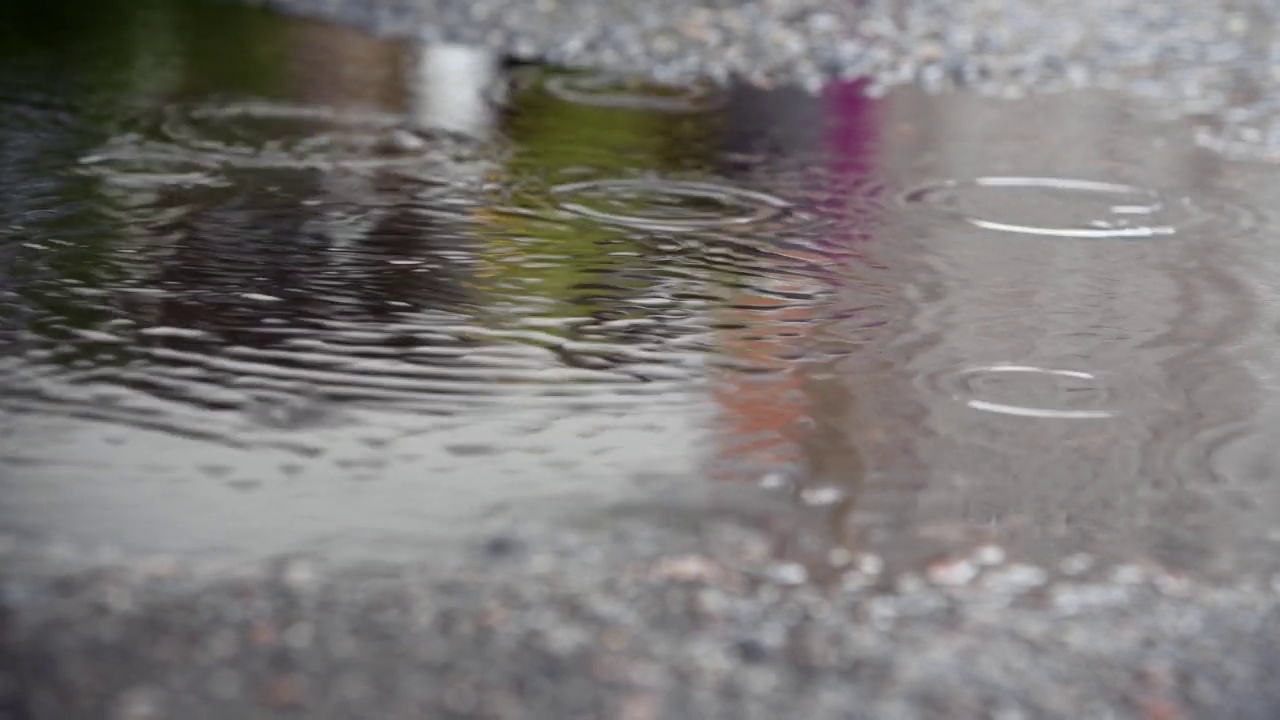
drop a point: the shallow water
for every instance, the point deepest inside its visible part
(329, 292)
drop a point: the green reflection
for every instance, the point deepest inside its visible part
(534, 249)
(76, 73)
(559, 262)
(105, 55)
(553, 134)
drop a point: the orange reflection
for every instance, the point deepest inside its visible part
(781, 408)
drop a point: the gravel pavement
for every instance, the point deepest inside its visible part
(639, 619)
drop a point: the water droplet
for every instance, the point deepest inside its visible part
(667, 205)
(1064, 208)
(1028, 391)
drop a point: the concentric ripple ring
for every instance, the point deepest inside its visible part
(728, 206)
(1087, 404)
(1126, 211)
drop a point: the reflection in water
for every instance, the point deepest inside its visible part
(787, 415)
(1004, 389)
(1129, 313)
(348, 300)
(450, 89)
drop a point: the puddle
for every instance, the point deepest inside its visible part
(356, 296)
(670, 205)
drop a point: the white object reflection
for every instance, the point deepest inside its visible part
(448, 88)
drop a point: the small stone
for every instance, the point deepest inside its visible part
(1128, 575)
(687, 568)
(773, 481)
(225, 684)
(930, 52)
(870, 565)
(298, 574)
(160, 566)
(501, 546)
(139, 703)
(1077, 564)
(752, 651)
(640, 706)
(824, 495)
(283, 691)
(263, 634)
(401, 140)
(224, 645)
(614, 638)
(1017, 578)
(299, 635)
(118, 599)
(787, 573)
(461, 697)
(953, 574)
(989, 555)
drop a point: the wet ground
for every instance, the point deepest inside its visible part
(705, 396)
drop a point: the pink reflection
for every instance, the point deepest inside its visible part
(766, 416)
(852, 132)
(851, 141)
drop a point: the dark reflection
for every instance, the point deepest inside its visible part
(293, 254)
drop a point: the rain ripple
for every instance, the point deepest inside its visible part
(632, 93)
(183, 141)
(1073, 208)
(667, 205)
(1030, 392)
(237, 313)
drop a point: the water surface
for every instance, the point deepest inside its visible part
(321, 291)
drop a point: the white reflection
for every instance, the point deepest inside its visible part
(448, 88)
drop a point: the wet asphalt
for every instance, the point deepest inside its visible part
(644, 618)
